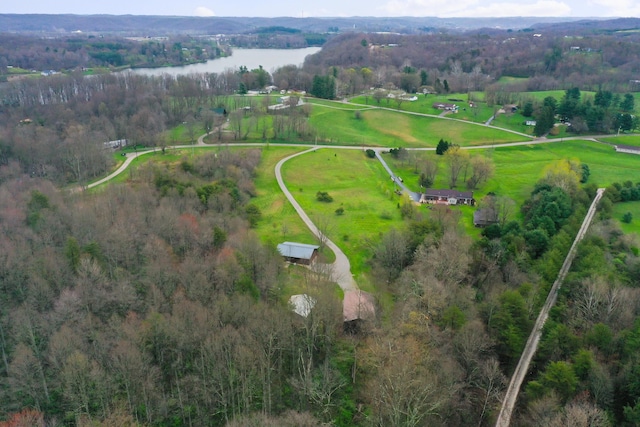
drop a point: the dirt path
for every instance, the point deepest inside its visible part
(508, 404)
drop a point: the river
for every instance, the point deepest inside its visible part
(270, 59)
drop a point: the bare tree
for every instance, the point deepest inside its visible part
(456, 159)
(482, 169)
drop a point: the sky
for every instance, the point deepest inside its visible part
(334, 8)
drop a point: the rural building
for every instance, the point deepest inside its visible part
(114, 145)
(447, 197)
(446, 107)
(302, 304)
(356, 307)
(484, 217)
(298, 253)
(627, 149)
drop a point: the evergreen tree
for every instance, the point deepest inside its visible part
(442, 147)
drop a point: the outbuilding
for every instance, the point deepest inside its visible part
(298, 253)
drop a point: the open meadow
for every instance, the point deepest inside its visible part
(620, 209)
(395, 129)
(359, 186)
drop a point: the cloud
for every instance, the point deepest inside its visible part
(622, 8)
(204, 11)
(476, 8)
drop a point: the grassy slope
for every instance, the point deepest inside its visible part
(392, 129)
(517, 169)
(619, 209)
(360, 186)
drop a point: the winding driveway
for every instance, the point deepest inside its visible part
(341, 267)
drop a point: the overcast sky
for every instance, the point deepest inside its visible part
(329, 8)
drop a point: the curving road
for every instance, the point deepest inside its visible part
(341, 267)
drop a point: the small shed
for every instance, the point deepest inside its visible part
(484, 217)
(358, 305)
(298, 253)
(302, 304)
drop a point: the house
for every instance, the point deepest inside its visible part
(446, 107)
(298, 253)
(302, 304)
(627, 149)
(530, 123)
(484, 217)
(447, 197)
(114, 145)
(356, 307)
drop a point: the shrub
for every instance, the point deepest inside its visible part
(370, 153)
(627, 218)
(323, 196)
(340, 211)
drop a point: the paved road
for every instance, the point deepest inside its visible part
(397, 180)
(341, 267)
(508, 404)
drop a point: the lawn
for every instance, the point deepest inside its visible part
(517, 169)
(280, 222)
(334, 104)
(395, 129)
(623, 140)
(358, 185)
(619, 209)
(424, 105)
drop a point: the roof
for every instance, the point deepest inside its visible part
(302, 304)
(484, 216)
(297, 250)
(449, 193)
(358, 305)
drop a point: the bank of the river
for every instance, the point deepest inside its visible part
(269, 59)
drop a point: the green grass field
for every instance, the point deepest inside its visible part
(396, 129)
(619, 209)
(358, 185)
(623, 139)
(517, 169)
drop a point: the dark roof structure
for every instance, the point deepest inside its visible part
(432, 192)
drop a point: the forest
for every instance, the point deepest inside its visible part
(154, 301)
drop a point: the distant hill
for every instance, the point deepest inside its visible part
(136, 25)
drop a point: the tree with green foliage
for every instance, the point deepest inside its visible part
(628, 103)
(323, 87)
(560, 377)
(442, 147)
(537, 242)
(627, 218)
(424, 78)
(545, 119)
(624, 122)
(253, 214)
(323, 196)
(585, 173)
(527, 109)
(370, 153)
(510, 323)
